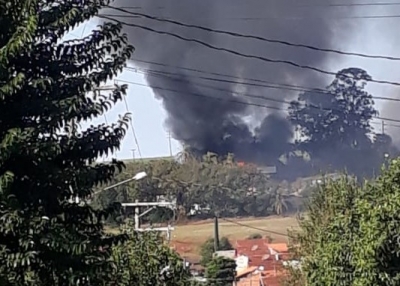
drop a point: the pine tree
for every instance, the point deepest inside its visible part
(45, 84)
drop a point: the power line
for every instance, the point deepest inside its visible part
(204, 96)
(259, 96)
(140, 8)
(266, 18)
(352, 4)
(264, 59)
(133, 130)
(255, 228)
(269, 85)
(217, 74)
(246, 94)
(240, 93)
(264, 39)
(283, 85)
(228, 100)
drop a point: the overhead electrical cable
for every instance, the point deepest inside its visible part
(351, 4)
(242, 80)
(269, 85)
(255, 228)
(260, 38)
(254, 96)
(261, 58)
(132, 127)
(174, 91)
(267, 18)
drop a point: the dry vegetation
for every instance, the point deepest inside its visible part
(187, 239)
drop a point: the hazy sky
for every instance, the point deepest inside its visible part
(147, 114)
(374, 36)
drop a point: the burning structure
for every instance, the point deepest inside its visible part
(222, 102)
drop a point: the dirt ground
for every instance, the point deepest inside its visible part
(187, 239)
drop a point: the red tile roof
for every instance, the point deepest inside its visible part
(273, 278)
(262, 253)
(262, 243)
(265, 278)
(246, 271)
(251, 280)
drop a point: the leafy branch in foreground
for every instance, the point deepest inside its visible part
(45, 84)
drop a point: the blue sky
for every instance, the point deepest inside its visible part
(373, 37)
(147, 112)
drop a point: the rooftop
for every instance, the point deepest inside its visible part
(260, 253)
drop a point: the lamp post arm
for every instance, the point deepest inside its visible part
(113, 186)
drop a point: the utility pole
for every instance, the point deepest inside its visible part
(137, 215)
(383, 127)
(133, 153)
(216, 234)
(169, 143)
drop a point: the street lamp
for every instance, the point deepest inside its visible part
(137, 177)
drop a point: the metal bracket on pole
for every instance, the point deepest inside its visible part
(136, 205)
(149, 204)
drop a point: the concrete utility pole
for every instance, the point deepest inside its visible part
(169, 143)
(137, 216)
(216, 234)
(383, 127)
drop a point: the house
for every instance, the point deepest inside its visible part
(231, 254)
(260, 263)
(255, 277)
(185, 250)
(260, 253)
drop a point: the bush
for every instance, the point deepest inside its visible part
(255, 236)
(207, 249)
(221, 271)
(145, 260)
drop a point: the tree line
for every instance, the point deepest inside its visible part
(218, 185)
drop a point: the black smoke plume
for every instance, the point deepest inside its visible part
(223, 125)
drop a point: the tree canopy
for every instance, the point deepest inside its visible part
(338, 121)
(48, 87)
(146, 260)
(221, 271)
(207, 249)
(350, 233)
(217, 185)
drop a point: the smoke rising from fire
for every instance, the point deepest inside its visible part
(252, 133)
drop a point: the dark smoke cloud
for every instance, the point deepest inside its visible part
(223, 126)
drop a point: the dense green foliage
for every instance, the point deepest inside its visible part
(146, 260)
(221, 271)
(207, 249)
(45, 84)
(217, 185)
(338, 121)
(350, 235)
